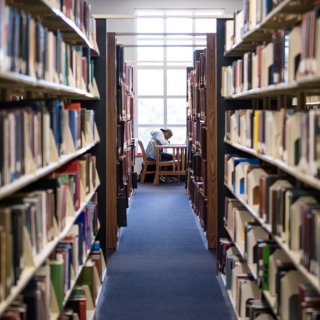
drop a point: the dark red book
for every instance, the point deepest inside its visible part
(74, 168)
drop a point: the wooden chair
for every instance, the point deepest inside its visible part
(160, 164)
(146, 163)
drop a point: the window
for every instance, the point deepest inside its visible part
(161, 67)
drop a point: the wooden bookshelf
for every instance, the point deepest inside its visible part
(112, 228)
(212, 122)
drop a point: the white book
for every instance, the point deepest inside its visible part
(233, 128)
(275, 186)
(294, 51)
(252, 187)
(242, 138)
(267, 61)
(242, 216)
(240, 176)
(272, 126)
(239, 25)
(290, 288)
(240, 267)
(254, 233)
(293, 135)
(229, 25)
(278, 254)
(248, 290)
(295, 221)
(253, 14)
(245, 72)
(230, 206)
(254, 77)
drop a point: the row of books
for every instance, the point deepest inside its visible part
(248, 18)
(198, 197)
(125, 116)
(197, 133)
(27, 47)
(35, 133)
(124, 136)
(286, 134)
(292, 54)
(38, 214)
(291, 212)
(196, 155)
(45, 294)
(32, 218)
(79, 11)
(62, 264)
(124, 72)
(124, 171)
(273, 280)
(125, 93)
(197, 94)
(125, 104)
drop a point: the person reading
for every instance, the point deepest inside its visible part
(160, 137)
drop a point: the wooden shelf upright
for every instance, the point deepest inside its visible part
(111, 143)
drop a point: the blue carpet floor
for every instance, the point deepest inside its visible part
(162, 269)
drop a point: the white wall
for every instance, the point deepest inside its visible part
(127, 7)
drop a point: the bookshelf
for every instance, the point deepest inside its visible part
(120, 142)
(244, 192)
(68, 142)
(213, 148)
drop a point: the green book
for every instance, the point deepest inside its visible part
(78, 291)
(87, 278)
(56, 275)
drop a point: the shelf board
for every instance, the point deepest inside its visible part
(288, 89)
(19, 82)
(39, 259)
(275, 20)
(40, 173)
(54, 19)
(307, 179)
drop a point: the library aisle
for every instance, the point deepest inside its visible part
(162, 269)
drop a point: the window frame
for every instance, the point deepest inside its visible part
(167, 13)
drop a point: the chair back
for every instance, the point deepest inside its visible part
(144, 155)
(156, 151)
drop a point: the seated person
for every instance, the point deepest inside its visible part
(160, 137)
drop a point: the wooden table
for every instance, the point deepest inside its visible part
(177, 163)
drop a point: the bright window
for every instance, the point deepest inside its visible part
(150, 82)
(161, 74)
